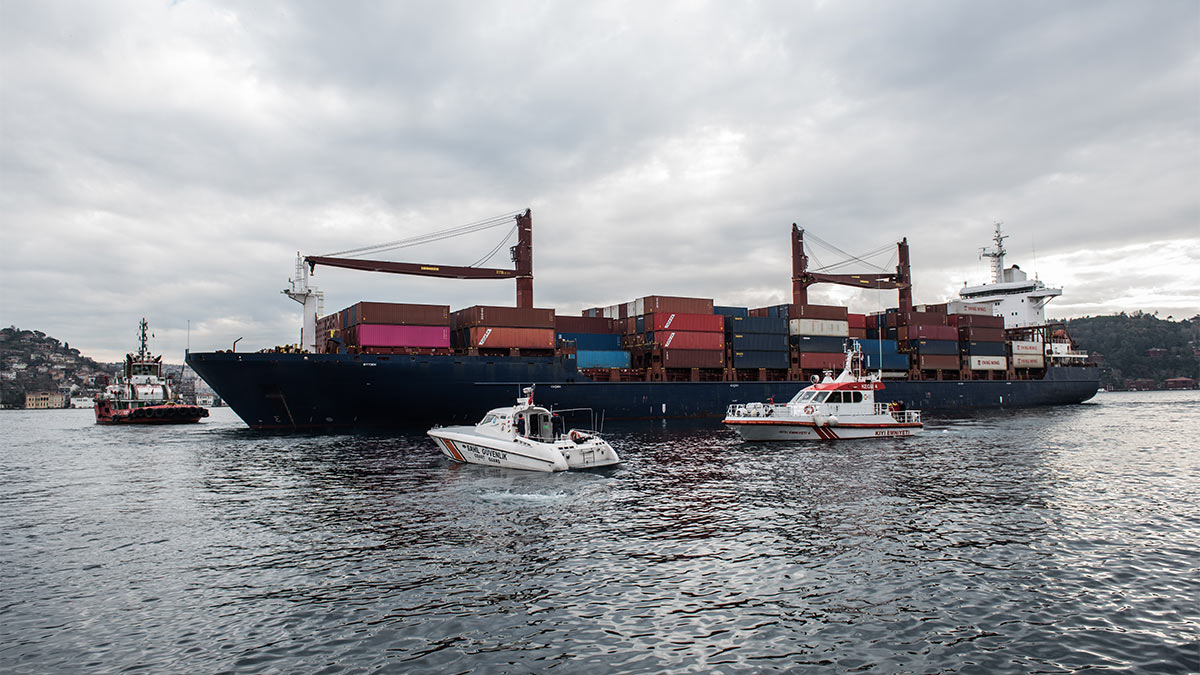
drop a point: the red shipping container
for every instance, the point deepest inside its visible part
(915, 319)
(397, 313)
(815, 361)
(857, 320)
(496, 317)
(583, 324)
(938, 361)
(389, 335)
(980, 334)
(823, 312)
(693, 358)
(927, 332)
(502, 337)
(680, 339)
(681, 321)
(666, 303)
(976, 320)
(760, 312)
(860, 333)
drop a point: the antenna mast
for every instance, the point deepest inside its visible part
(996, 254)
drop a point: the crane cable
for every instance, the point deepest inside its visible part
(469, 228)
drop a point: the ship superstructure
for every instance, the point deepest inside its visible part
(1011, 293)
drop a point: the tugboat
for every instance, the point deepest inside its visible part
(833, 409)
(142, 395)
(523, 437)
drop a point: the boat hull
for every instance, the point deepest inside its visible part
(463, 445)
(312, 391)
(797, 430)
(155, 414)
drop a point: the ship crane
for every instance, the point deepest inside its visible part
(901, 279)
(521, 255)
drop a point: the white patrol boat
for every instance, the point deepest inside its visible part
(832, 409)
(523, 437)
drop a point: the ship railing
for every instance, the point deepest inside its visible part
(756, 409)
(901, 416)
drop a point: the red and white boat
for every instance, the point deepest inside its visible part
(833, 409)
(142, 395)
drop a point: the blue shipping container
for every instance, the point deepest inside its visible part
(592, 341)
(757, 359)
(759, 342)
(731, 311)
(602, 359)
(889, 362)
(819, 344)
(986, 348)
(870, 346)
(756, 324)
(778, 311)
(936, 346)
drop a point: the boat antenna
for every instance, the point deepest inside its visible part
(143, 350)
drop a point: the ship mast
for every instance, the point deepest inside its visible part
(143, 348)
(312, 299)
(996, 254)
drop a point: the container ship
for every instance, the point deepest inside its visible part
(654, 357)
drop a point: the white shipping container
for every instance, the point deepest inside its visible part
(639, 307)
(989, 363)
(822, 327)
(1027, 361)
(960, 307)
(1027, 348)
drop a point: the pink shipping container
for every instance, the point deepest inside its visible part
(508, 338)
(682, 321)
(387, 335)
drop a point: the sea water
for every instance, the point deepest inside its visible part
(1039, 540)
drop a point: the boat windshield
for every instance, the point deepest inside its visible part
(490, 419)
(805, 396)
(821, 396)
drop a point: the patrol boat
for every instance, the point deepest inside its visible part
(523, 437)
(832, 409)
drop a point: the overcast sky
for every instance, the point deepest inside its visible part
(168, 160)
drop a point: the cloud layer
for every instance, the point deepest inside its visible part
(169, 160)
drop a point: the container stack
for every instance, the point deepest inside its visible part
(507, 328)
(595, 339)
(757, 342)
(668, 331)
(819, 333)
(1028, 354)
(980, 336)
(926, 335)
(386, 328)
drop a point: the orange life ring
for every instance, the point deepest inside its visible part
(808, 409)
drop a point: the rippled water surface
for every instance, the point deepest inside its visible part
(1048, 540)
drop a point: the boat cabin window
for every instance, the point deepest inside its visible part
(490, 419)
(537, 426)
(805, 396)
(821, 396)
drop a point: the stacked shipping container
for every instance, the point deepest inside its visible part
(596, 342)
(486, 327)
(981, 338)
(757, 342)
(386, 328)
(819, 334)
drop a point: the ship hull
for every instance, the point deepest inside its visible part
(313, 391)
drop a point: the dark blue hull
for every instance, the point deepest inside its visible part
(271, 391)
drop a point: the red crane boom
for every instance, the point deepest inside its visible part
(522, 256)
